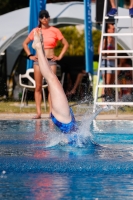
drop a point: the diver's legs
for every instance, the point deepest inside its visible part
(60, 108)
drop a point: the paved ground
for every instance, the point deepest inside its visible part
(114, 117)
(46, 116)
(27, 116)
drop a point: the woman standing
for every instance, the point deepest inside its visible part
(50, 37)
(108, 76)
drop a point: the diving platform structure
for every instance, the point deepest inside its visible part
(122, 30)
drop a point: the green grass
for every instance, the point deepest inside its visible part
(10, 107)
(14, 107)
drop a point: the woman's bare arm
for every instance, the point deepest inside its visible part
(63, 51)
(27, 50)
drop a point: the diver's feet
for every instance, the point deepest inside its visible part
(131, 12)
(36, 43)
(112, 12)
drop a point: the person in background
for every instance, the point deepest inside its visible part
(114, 11)
(108, 75)
(77, 83)
(50, 36)
(125, 77)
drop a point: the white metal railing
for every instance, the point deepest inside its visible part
(119, 17)
(115, 103)
(114, 57)
(116, 51)
(116, 86)
(116, 68)
(117, 34)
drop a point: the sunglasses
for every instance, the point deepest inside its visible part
(45, 17)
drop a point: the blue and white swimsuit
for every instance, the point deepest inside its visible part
(66, 128)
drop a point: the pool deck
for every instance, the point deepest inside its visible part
(28, 116)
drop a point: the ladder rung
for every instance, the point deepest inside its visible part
(115, 86)
(116, 68)
(117, 34)
(114, 103)
(117, 51)
(119, 17)
(113, 57)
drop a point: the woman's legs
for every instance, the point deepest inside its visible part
(131, 8)
(76, 84)
(38, 90)
(113, 3)
(131, 4)
(114, 6)
(113, 10)
(59, 103)
(109, 80)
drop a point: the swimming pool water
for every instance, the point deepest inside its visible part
(35, 164)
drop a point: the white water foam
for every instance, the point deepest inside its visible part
(80, 138)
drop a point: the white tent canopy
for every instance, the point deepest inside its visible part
(14, 26)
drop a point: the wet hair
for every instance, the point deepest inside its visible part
(42, 14)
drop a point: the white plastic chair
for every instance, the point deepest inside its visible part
(30, 85)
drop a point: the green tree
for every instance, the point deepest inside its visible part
(76, 41)
(96, 37)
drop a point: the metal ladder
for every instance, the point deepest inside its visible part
(116, 86)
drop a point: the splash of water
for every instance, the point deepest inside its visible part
(81, 138)
(84, 130)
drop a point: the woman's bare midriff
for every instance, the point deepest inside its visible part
(49, 53)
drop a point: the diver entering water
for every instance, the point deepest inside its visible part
(61, 114)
